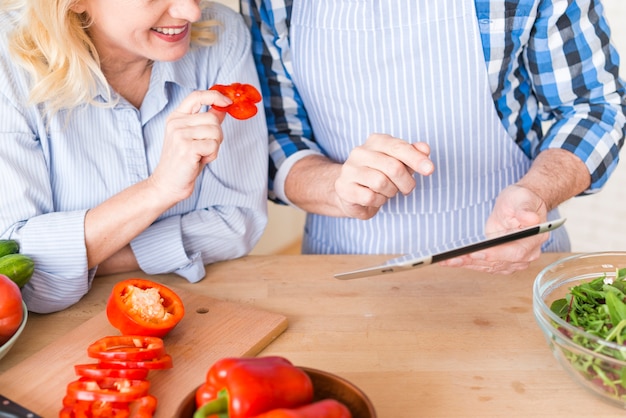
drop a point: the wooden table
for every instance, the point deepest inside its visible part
(434, 342)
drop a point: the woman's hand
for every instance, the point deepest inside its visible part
(192, 140)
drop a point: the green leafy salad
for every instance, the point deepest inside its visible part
(599, 308)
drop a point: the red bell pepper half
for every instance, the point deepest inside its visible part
(143, 307)
(327, 408)
(244, 98)
(246, 387)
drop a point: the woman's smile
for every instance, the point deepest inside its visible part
(171, 33)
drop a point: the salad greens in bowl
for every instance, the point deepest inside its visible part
(579, 303)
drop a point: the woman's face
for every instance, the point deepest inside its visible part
(157, 30)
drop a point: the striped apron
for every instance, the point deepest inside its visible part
(415, 70)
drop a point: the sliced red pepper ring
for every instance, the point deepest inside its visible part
(108, 389)
(97, 371)
(244, 98)
(143, 307)
(127, 347)
(143, 407)
(164, 362)
(75, 411)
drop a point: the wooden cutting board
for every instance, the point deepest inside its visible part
(210, 330)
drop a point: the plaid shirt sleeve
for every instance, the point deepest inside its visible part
(552, 60)
(290, 134)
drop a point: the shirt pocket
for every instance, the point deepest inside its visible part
(512, 19)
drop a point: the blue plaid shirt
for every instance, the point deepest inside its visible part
(547, 60)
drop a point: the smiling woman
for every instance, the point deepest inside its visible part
(109, 141)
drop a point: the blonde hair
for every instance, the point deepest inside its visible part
(50, 41)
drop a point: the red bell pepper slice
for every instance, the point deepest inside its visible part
(244, 98)
(164, 362)
(143, 407)
(142, 307)
(107, 390)
(127, 347)
(327, 408)
(245, 387)
(97, 371)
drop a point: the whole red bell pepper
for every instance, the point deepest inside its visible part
(327, 408)
(246, 387)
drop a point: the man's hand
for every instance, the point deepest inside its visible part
(377, 171)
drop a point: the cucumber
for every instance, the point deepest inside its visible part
(8, 246)
(17, 267)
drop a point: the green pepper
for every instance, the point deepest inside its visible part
(327, 408)
(246, 387)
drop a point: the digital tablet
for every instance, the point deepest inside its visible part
(462, 247)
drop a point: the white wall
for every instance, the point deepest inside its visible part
(284, 228)
(232, 3)
(595, 223)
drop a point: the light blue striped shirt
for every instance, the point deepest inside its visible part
(52, 176)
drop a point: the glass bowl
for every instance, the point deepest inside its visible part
(595, 363)
(4, 348)
(325, 386)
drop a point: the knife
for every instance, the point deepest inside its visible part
(10, 409)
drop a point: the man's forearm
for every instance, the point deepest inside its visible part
(556, 175)
(310, 185)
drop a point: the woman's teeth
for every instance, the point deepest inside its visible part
(169, 31)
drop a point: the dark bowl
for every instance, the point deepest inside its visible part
(325, 386)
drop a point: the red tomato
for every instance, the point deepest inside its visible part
(11, 310)
(244, 97)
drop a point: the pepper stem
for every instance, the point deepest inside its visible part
(216, 408)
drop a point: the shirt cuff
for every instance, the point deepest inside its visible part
(283, 171)
(159, 250)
